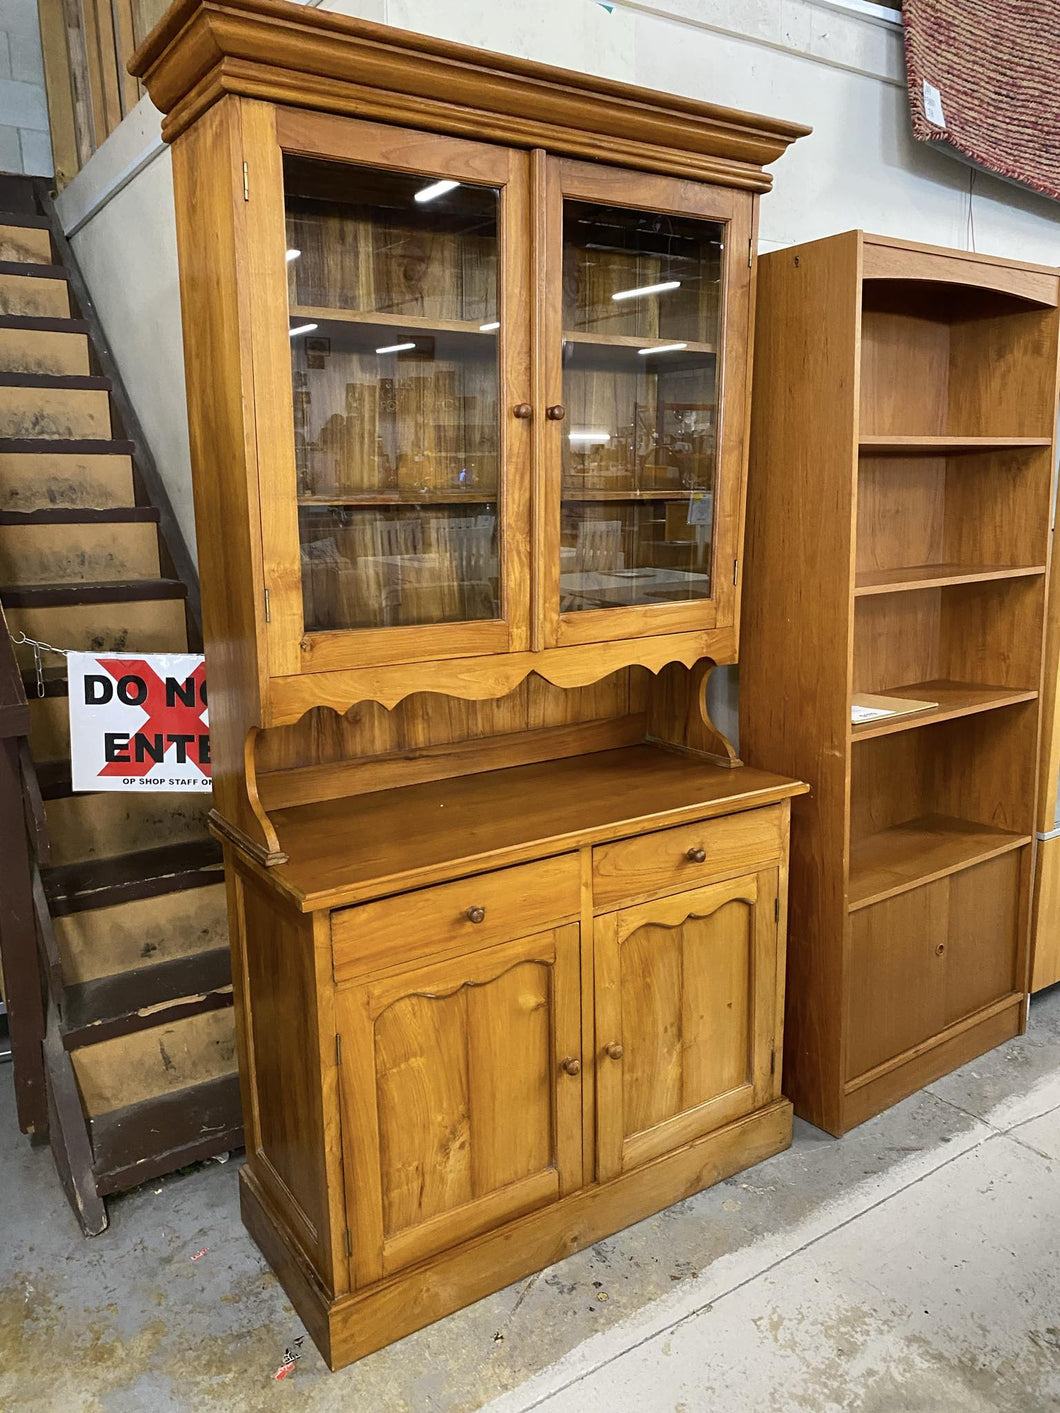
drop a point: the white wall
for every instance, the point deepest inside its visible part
(24, 142)
(814, 61)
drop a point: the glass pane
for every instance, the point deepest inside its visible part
(393, 290)
(641, 324)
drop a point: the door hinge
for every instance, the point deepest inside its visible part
(338, 1049)
(776, 909)
(268, 611)
(349, 1244)
(750, 251)
(735, 570)
(246, 183)
(773, 1061)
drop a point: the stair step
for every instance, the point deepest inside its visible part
(24, 220)
(112, 823)
(128, 1001)
(104, 591)
(63, 480)
(29, 323)
(141, 625)
(33, 295)
(82, 515)
(23, 270)
(78, 551)
(54, 778)
(58, 381)
(106, 883)
(156, 1136)
(67, 446)
(23, 243)
(48, 354)
(55, 413)
(98, 942)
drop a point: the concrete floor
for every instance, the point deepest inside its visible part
(915, 1265)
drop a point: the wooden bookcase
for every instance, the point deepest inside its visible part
(467, 344)
(898, 541)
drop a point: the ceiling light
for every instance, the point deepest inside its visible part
(292, 255)
(663, 348)
(302, 329)
(428, 193)
(647, 289)
(396, 348)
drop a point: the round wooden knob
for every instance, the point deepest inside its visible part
(571, 1065)
(556, 412)
(696, 855)
(522, 410)
(615, 1050)
(476, 914)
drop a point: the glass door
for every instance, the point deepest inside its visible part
(644, 405)
(408, 352)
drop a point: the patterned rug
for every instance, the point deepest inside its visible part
(983, 77)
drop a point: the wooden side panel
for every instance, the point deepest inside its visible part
(1046, 935)
(212, 245)
(284, 1049)
(797, 619)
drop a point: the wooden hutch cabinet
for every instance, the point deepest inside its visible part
(468, 345)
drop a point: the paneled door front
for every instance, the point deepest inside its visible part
(686, 1017)
(645, 353)
(394, 465)
(461, 1097)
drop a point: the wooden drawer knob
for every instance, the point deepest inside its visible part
(522, 410)
(614, 1050)
(696, 855)
(940, 949)
(571, 1065)
(556, 412)
(476, 914)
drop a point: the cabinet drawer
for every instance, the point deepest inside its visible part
(665, 860)
(514, 902)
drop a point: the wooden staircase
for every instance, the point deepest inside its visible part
(140, 1049)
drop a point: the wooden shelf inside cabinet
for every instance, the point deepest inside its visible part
(944, 446)
(636, 341)
(377, 498)
(938, 576)
(954, 699)
(573, 495)
(921, 850)
(414, 323)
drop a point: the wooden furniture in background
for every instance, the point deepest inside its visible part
(1045, 918)
(468, 413)
(902, 454)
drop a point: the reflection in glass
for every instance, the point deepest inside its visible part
(393, 293)
(641, 312)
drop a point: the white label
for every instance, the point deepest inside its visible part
(860, 714)
(933, 106)
(138, 721)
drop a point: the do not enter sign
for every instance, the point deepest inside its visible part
(138, 722)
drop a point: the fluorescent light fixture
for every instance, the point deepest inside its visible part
(292, 255)
(663, 348)
(590, 438)
(301, 329)
(428, 193)
(396, 348)
(646, 289)
(489, 328)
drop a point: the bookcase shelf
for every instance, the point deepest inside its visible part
(919, 851)
(905, 531)
(933, 576)
(376, 319)
(954, 699)
(870, 445)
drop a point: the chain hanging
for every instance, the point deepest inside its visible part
(21, 640)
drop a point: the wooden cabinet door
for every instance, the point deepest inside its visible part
(388, 298)
(644, 349)
(461, 1097)
(687, 1010)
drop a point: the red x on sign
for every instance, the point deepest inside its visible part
(174, 718)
